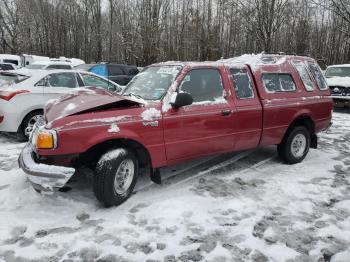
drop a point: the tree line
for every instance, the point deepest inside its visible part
(146, 31)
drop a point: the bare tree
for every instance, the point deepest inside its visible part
(146, 31)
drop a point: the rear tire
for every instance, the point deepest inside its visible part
(295, 145)
(115, 176)
(28, 123)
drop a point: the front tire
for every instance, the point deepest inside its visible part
(295, 145)
(115, 176)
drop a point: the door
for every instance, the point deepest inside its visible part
(249, 112)
(58, 84)
(205, 127)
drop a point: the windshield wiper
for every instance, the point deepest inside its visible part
(134, 95)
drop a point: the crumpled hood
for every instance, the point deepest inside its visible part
(84, 100)
(339, 81)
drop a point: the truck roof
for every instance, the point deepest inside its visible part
(263, 59)
(190, 63)
(251, 60)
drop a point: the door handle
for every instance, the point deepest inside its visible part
(226, 112)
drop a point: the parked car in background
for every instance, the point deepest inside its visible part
(72, 61)
(338, 80)
(174, 112)
(49, 65)
(30, 59)
(11, 59)
(23, 95)
(7, 67)
(118, 73)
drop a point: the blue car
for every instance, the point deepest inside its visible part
(118, 73)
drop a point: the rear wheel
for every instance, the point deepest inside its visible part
(295, 145)
(28, 123)
(115, 176)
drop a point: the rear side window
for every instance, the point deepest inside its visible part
(304, 75)
(317, 74)
(242, 83)
(115, 70)
(67, 80)
(274, 83)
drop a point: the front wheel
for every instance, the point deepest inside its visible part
(295, 145)
(115, 176)
(28, 124)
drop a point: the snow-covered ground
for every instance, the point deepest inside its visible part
(237, 207)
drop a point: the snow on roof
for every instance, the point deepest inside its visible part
(6, 56)
(341, 65)
(51, 62)
(256, 59)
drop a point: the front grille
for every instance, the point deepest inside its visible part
(340, 90)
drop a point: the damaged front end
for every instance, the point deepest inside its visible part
(43, 177)
(45, 158)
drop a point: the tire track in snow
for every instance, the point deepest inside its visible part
(212, 164)
(226, 163)
(167, 177)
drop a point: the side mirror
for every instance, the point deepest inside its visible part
(182, 99)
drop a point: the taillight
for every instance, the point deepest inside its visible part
(8, 95)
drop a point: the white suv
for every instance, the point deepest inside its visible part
(23, 95)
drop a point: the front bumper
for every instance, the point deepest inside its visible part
(43, 177)
(341, 98)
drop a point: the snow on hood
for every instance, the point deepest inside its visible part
(338, 81)
(84, 100)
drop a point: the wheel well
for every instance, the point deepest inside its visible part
(305, 121)
(31, 112)
(92, 155)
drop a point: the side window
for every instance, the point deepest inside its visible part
(317, 74)
(205, 85)
(67, 67)
(242, 82)
(115, 70)
(90, 80)
(133, 72)
(50, 67)
(68, 80)
(274, 83)
(6, 67)
(11, 61)
(42, 82)
(304, 75)
(100, 70)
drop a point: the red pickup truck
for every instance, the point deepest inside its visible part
(172, 112)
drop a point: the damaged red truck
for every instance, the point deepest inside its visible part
(173, 112)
